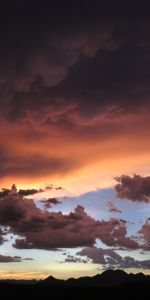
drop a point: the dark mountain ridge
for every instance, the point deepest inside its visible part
(110, 284)
(107, 278)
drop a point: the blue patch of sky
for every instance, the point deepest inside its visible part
(95, 204)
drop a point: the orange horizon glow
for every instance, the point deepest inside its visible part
(43, 275)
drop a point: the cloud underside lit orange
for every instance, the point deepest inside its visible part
(77, 156)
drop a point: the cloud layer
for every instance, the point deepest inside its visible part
(74, 109)
(62, 74)
(110, 259)
(136, 188)
(52, 230)
(145, 234)
(12, 259)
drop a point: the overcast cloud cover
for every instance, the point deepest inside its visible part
(74, 134)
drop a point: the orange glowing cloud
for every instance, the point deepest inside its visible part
(74, 157)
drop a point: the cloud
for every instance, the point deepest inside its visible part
(29, 192)
(52, 230)
(112, 208)
(74, 259)
(4, 192)
(49, 202)
(44, 61)
(76, 73)
(52, 75)
(23, 192)
(110, 259)
(99, 255)
(136, 188)
(9, 259)
(2, 239)
(35, 165)
(145, 234)
(114, 232)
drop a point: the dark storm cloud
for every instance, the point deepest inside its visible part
(136, 188)
(72, 65)
(38, 57)
(63, 70)
(112, 208)
(109, 258)
(51, 230)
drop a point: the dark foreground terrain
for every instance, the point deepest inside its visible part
(114, 284)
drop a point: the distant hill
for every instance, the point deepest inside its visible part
(110, 284)
(19, 281)
(107, 278)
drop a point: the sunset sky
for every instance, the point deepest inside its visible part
(74, 139)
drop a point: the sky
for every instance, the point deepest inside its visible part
(74, 138)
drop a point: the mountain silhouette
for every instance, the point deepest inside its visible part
(107, 278)
(110, 284)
